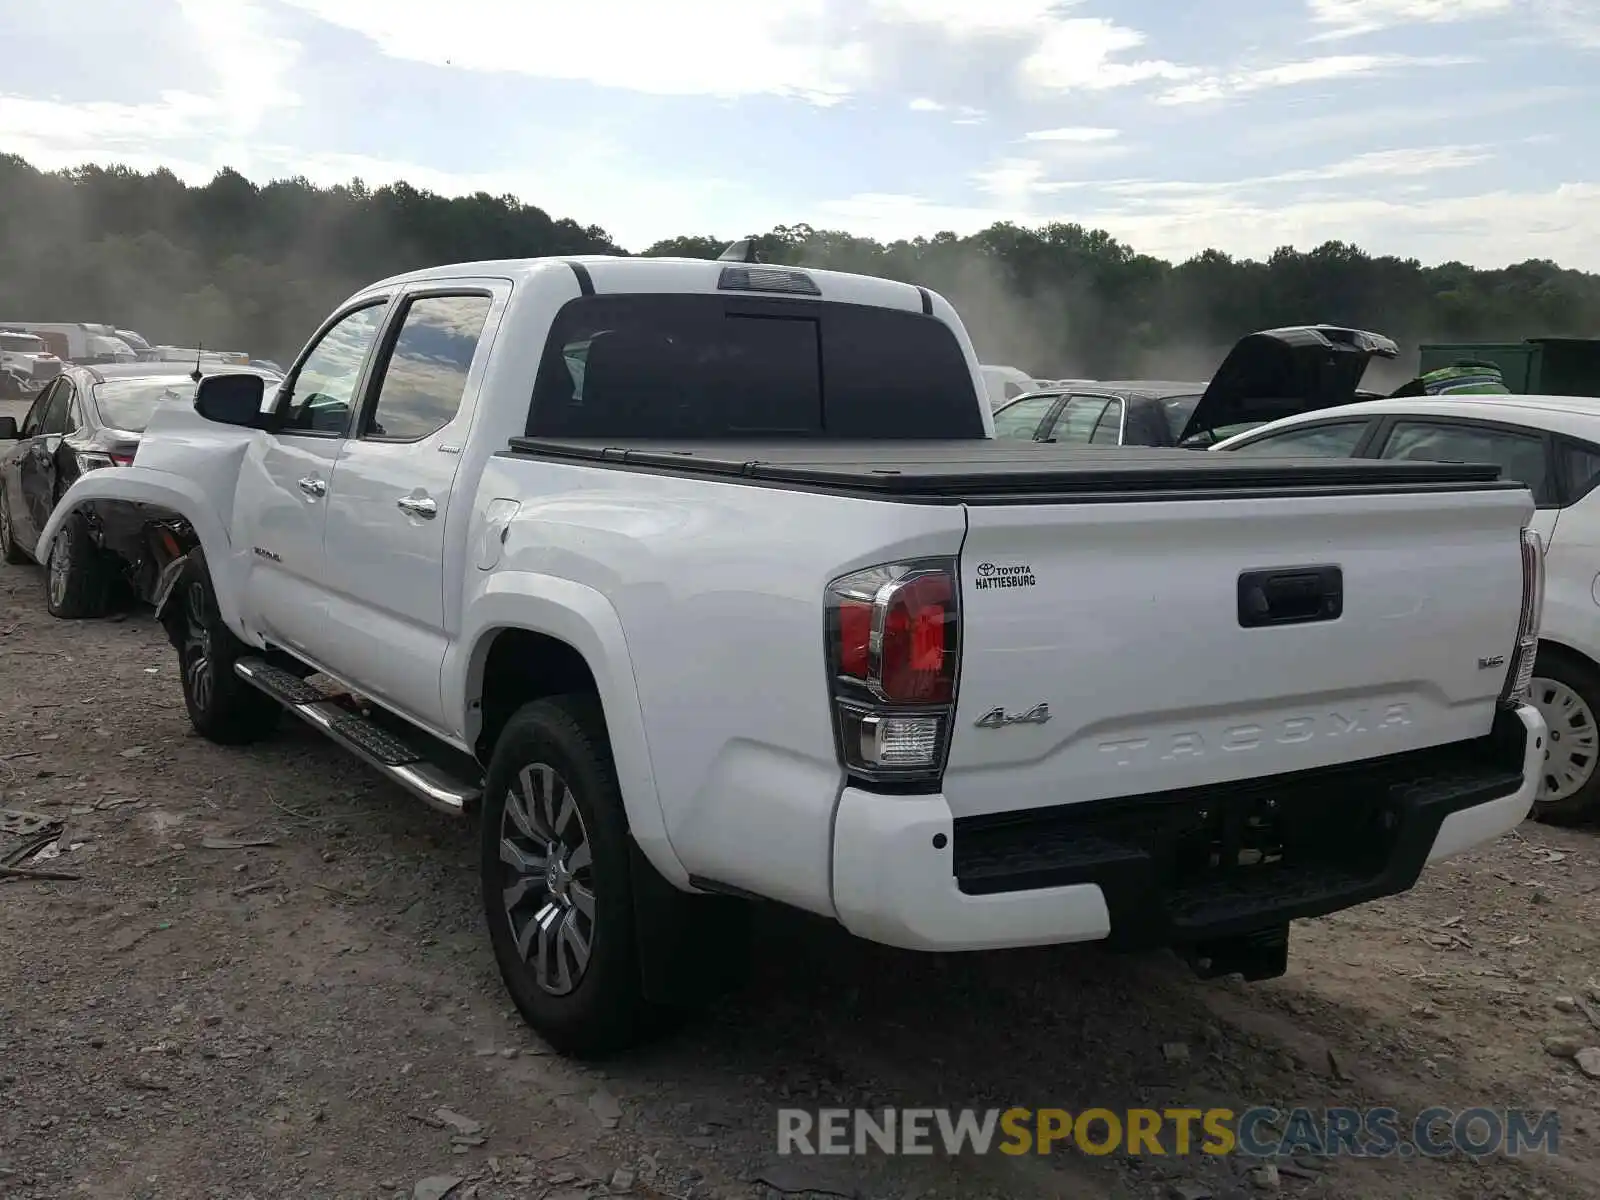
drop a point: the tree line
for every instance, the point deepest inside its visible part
(237, 265)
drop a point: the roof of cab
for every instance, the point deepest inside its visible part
(616, 273)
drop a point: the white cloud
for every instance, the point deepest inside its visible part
(1401, 164)
(1575, 22)
(1073, 134)
(1348, 18)
(964, 114)
(966, 19)
(1086, 53)
(1303, 130)
(253, 66)
(726, 48)
(800, 48)
(253, 72)
(1016, 183)
(1293, 74)
(1077, 144)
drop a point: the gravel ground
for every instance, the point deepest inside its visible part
(192, 1017)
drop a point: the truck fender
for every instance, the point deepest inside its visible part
(163, 489)
(584, 619)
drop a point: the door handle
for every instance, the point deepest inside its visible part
(313, 486)
(419, 506)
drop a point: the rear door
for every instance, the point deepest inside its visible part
(1526, 455)
(1110, 425)
(1077, 419)
(1324, 439)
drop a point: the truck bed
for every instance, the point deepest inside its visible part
(992, 471)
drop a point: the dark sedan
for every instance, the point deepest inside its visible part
(1101, 414)
(89, 417)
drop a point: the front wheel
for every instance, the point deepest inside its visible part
(222, 707)
(557, 891)
(78, 575)
(9, 550)
(1566, 691)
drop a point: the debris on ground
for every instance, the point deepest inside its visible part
(436, 1187)
(799, 1177)
(605, 1108)
(236, 843)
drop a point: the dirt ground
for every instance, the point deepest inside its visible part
(195, 1018)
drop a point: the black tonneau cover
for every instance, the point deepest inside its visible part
(988, 470)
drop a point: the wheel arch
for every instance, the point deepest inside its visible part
(529, 636)
(161, 491)
(1566, 648)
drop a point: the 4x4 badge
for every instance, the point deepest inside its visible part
(999, 718)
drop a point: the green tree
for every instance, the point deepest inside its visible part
(239, 265)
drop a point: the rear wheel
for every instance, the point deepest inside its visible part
(557, 891)
(9, 550)
(222, 707)
(78, 576)
(1566, 691)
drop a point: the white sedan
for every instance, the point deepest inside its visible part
(1551, 443)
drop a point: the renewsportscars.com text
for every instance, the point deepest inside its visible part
(1254, 1132)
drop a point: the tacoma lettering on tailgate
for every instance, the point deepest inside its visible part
(1231, 739)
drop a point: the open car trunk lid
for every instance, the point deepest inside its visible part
(1283, 372)
(1130, 620)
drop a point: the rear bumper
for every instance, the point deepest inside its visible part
(1143, 871)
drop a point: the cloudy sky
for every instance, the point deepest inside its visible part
(1436, 128)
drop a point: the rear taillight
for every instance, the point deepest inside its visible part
(1519, 675)
(893, 645)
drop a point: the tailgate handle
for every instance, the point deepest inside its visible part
(1290, 596)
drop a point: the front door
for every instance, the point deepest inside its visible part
(284, 482)
(391, 498)
(36, 463)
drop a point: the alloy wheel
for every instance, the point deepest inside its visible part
(548, 877)
(60, 568)
(1572, 744)
(197, 668)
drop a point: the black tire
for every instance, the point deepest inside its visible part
(1578, 675)
(605, 1010)
(78, 576)
(9, 550)
(222, 707)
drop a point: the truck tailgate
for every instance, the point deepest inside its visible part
(1125, 619)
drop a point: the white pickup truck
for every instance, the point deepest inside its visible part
(696, 582)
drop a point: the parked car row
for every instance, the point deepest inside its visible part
(1269, 374)
(697, 583)
(88, 418)
(33, 352)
